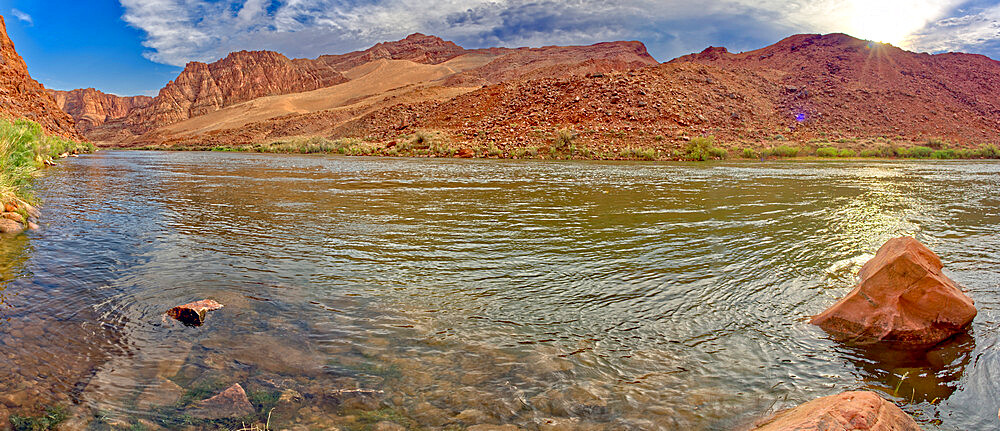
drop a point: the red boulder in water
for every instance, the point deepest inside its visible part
(193, 314)
(857, 410)
(903, 300)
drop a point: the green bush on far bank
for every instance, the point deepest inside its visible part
(702, 149)
(24, 148)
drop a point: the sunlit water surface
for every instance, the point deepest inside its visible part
(593, 295)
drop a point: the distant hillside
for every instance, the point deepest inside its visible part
(23, 97)
(805, 87)
(250, 88)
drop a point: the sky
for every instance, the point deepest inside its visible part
(130, 47)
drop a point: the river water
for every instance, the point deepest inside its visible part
(442, 293)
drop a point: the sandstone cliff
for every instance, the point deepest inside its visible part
(245, 76)
(91, 108)
(21, 96)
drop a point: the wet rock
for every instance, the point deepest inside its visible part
(484, 427)
(162, 393)
(388, 426)
(859, 410)
(568, 424)
(903, 300)
(193, 314)
(473, 416)
(357, 399)
(33, 226)
(13, 216)
(427, 414)
(229, 403)
(15, 399)
(9, 226)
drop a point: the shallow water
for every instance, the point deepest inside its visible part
(599, 295)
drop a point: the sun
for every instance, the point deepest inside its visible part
(891, 21)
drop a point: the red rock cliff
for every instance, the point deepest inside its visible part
(22, 96)
(91, 108)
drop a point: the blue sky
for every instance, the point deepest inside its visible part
(131, 47)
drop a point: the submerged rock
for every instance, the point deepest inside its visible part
(229, 403)
(857, 410)
(903, 300)
(193, 314)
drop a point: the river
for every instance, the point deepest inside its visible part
(448, 292)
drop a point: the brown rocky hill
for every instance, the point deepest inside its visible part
(354, 82)
(21, 96)
(91, 108)
(805, 87)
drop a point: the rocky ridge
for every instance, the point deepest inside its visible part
(91, 108)
(803, 88)
(243, 76)
(23, 97)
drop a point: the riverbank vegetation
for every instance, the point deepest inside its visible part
(565, 144)
(24, 149)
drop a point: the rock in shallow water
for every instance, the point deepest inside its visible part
(903, 300)
(10, 226)
(193, 314)
(858, 410)
(229, 403)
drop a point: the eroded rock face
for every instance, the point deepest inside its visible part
(859, 410)
(91, 108)
(903, 299)
(193, 314)
(229, 403)
(23, 97)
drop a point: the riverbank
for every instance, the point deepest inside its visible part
(566, 145)
(24, 150)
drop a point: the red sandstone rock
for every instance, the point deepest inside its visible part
(193, 314)
(9, 226)
(903, 299)
(229, 403)
(859, 410)
(23, 97)
(91, 108)
(465, 153)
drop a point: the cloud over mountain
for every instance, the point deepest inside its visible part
(178, 31)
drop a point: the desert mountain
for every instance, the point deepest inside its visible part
(805, 87)
(21, 96)
(91, 108)
(247, 87)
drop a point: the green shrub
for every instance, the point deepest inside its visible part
(749, 153)
(846, 152)
(703, 148)
(827, 152)
(918, 152)
(782, 151)
(937, 143)
(564, 140)
(943, 154)
(869, 153)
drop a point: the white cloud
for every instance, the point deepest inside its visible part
(178, 31)
(22, 16)
(959, 33)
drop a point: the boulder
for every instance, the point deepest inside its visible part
(193, 314)
(858, 410)
(10, 226)
(229, 403)
(902, 300)
(13, 216)
(465, 153)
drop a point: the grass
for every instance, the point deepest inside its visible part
(24, 149)
(49, 420)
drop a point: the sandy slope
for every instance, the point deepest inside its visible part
(369, 82)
